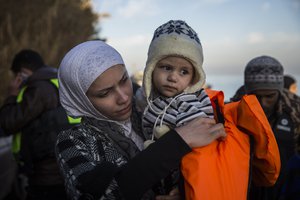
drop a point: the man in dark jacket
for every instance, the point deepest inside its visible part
(264, 78)
(33, 115)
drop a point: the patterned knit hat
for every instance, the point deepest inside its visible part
(263, 72)
(175, 38)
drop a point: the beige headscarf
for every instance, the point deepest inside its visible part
(77, 71)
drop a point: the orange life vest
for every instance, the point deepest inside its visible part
(222, 170)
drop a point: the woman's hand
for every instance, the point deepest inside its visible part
(201, 132)
(173, 195)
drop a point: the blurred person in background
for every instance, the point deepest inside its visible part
(290, 84)
(8, 169)
(263, 77)
(136, 79)
(33, 115)
(291, 186)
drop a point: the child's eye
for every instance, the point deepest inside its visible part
(184, 72)
(166, 67)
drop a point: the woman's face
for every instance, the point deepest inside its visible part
(111, 93)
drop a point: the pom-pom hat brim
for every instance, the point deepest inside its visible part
(174, 44)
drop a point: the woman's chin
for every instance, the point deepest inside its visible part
(125, 115)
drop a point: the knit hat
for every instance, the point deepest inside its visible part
(263, 72)
(175, 38)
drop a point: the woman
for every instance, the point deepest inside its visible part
(102, 158)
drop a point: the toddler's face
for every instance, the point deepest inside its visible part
(172, 75)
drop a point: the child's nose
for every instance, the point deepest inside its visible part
(173, 77)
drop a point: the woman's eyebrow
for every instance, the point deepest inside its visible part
(110, 87)
(103, 90)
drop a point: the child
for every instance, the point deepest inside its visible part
(173, 79)
(172, 84)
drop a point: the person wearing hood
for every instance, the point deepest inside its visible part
(172, 94)
(104, 157)
(173, 79)
(173, 84)
(32, 114)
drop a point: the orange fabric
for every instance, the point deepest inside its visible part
(221, 170)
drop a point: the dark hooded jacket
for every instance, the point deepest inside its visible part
(33, 117)
(40, 96)
(286, 128)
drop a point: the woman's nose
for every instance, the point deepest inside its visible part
(122, 96)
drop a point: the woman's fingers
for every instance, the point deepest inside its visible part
(173, 195)
(203, 120)
(201, 132)
(218, 131)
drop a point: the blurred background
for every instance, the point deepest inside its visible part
(232, 32)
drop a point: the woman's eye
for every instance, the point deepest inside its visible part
(124, 79)
(103, 94)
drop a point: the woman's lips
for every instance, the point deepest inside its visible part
(125, 110)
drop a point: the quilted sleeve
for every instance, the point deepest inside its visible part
(191, 107)
(85, 171)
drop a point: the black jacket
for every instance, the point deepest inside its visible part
(39, 97)
(286, 128)
(33, 117)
